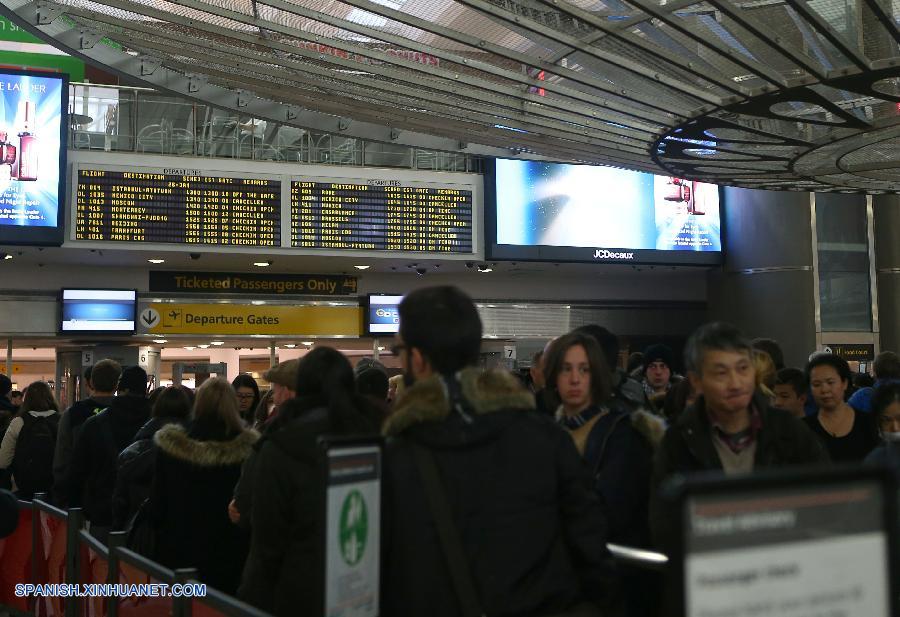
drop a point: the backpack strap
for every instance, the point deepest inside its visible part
(107, 435)
(451, 544)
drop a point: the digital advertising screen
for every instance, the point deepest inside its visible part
(560, 212)
(93, 311)
(382, 316)
(33, 123)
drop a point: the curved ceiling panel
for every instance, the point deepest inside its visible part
(761, 93)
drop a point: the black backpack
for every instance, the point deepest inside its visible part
(32, 464)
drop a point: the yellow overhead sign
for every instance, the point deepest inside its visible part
(221, 319)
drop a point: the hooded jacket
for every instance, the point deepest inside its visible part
(533, 531)
(134, 472)
(92, 472)
(196, 469)
(687, 448)
(70, 424)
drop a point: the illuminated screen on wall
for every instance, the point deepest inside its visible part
(32, 157)
(93, 311)
(559, 212)
(382, 316)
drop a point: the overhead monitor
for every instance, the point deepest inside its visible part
(580, 213)
(381, 314)
(33, 129)
(98, 311)
(788, 544)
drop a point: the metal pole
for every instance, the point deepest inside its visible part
(375, 348)
(273, 359)
(9, 366)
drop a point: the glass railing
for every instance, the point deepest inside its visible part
(127, 119)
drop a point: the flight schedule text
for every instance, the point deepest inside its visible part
(334, 215)
(122, 206)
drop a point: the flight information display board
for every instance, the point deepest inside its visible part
(127, 206)
(382, 216)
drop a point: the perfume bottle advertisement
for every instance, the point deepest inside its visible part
(554, 204)
(30, 117)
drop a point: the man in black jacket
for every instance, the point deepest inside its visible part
(101, 381)
(730, 429)
(92, 473)
(532, 531)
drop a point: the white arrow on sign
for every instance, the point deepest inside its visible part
(149, 318)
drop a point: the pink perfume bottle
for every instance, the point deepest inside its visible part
(28, 153)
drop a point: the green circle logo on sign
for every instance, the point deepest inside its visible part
(354, 528)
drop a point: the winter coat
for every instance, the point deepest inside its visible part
(284, 572)
(195, 473)
(41, 481)
(134, 472)
(92, 473)
(70, 425)
(533, 531)
(688, 448)
(618, 448)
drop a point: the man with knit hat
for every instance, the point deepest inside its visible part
(92, 473)
(658, 374)
(283, 377)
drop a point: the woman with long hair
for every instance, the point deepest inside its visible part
(284, 574)
(30, 440)
(196, 469)
(847, 434)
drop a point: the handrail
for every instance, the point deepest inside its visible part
(48, 507)
(149, 566)
(93, 543)
(226, 604)
(642, 558)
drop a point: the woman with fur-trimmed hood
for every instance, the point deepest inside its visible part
(196, 470)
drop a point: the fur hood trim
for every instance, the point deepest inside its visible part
(174, 441)
(486, 391)
(651, 426)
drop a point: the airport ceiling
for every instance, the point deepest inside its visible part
(780, 94)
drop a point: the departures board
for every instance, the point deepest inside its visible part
(381, 217)
(306, 213)
(131, 206)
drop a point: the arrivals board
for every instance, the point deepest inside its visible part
(382, 217)
(135, 206)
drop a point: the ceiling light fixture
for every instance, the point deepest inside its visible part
(7, 256)
(160, 340)
(203, 346)
(157, 261)
(381, 348)
(262, 264)
(217, 342)
(290, 346)
(484, 269)
(190, 348)
(361, 267)
(307, 343)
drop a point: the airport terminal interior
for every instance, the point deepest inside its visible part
(210, 188)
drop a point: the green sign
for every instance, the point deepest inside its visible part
(354, 528)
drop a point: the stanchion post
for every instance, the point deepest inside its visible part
(35, 541)
(116, 540)
(74, 524)
(181, 605)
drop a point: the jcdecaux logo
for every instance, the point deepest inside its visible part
(607, 254)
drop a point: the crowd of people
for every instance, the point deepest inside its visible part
(499, 497)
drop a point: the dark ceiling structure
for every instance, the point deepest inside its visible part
(778, 94)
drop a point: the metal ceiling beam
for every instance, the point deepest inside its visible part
(765, 34)
(688, 66)
(363, 89)
(451, 76)
(603, 56)
(831, 35)
(508, 106)
(525, 59)
(732, 55)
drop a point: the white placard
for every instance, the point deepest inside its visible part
(87, 358)
(509, 352)
(353, 542)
